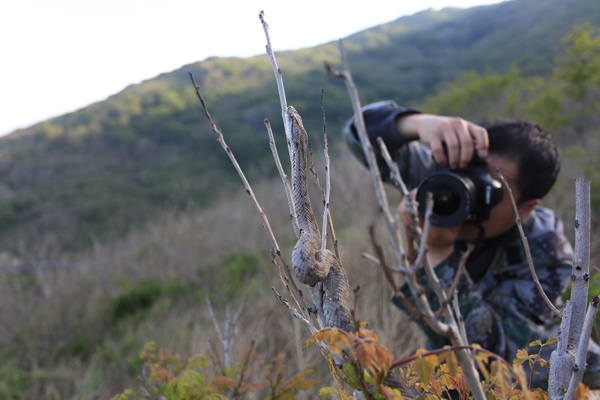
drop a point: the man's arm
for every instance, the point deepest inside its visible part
(460, 136)
(398, 125)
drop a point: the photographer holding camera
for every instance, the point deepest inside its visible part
(457, 162)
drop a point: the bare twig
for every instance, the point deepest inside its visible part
(406, 360)
(450, 328)
(388, 275)
(236, 390)
(300, 300)
(377, 261)
(459, 317)
(526, 246)
(326, 213)
(581, 258)
(227, 338)
(571, 332)
(276, 69)
(420, 298)
(328, 216)
(457, 277)
(381, 258)
(562, 359)
(356, 291)
(396, 178)
(295, 312)
(586, 332)
(368, 150)
(286, 182)
(315, 291)
(421, 258)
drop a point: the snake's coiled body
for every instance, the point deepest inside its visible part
(311, 263)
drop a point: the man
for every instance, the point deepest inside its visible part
(502, 308)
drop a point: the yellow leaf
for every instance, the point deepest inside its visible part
(550, 341)
(542, 395)
(446, 381)
(522, 353)
(423, 370)
(481, 360)
(535, 343)
(522, 356)
(452, 363)
(582, 391)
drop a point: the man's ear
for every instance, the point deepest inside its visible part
(526, 208)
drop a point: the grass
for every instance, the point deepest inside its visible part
(76, 332)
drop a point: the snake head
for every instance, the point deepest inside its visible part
(294, 127)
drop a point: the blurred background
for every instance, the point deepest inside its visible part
(120, 214)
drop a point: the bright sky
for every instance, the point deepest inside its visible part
(57, 56)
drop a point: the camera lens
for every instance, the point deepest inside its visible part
(453, 197)
(446, 200)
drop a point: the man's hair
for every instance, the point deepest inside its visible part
(533, 148)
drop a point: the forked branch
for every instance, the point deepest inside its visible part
(294, 291)
(450, 327)
(534, 276)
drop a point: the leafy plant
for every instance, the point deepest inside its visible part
(431, 375)
(166, 376)
(138, 298)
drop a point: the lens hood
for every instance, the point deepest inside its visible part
(453, 198)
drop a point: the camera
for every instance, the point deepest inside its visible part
(463, 195)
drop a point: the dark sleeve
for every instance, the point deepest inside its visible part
(380, 120)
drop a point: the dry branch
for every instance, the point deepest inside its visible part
(586, 332)
(448, 328)
(291, 284)
(573, 336)
(534, 276)
(286, 182)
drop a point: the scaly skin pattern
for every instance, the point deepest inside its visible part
(311, 263)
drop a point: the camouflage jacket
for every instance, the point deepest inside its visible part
(502, 308)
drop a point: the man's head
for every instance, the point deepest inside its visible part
(532, 148)
(529, 160)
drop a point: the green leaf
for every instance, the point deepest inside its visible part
(351, 372)
(325, 392)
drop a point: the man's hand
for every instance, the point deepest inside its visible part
(461, 137)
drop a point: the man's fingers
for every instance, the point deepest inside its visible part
(453, 140)
(453, 144)
(438, 151)
(480, 136)
(466, 145)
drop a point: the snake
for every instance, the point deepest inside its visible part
(311, 263)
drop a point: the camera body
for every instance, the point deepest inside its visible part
(461, 195)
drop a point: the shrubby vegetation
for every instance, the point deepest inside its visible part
(143, 274)
(97, 172)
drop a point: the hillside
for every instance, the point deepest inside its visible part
(82, 177)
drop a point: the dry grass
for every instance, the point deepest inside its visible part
(45, 316)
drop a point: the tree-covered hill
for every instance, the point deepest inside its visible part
(100, 170)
